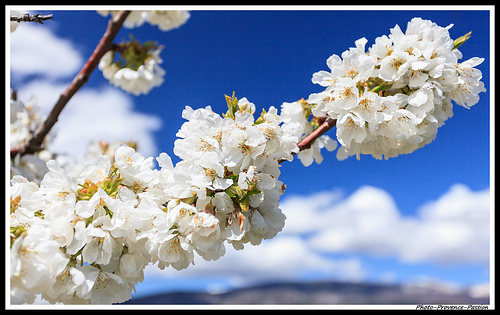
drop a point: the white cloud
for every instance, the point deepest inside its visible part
(451, 230)
(302, 212)
(361, 223)
(35, 50)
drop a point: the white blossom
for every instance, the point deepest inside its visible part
(134, 19)
(165, 20)
(168, 20)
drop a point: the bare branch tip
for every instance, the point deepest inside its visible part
(36, 18)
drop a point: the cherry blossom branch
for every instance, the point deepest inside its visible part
(36, 140)
(307, 142)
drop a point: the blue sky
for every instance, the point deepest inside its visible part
(269, 57)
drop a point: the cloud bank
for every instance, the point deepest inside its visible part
(451, 230)
(35, 50)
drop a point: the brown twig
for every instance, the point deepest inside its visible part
(35, 142)
(37, 18)
(307, 142)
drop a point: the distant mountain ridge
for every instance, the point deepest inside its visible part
(325, 293)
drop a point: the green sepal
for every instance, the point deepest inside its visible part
(459, 41)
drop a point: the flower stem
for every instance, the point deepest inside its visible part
(36, 140)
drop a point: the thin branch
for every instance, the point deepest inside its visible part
(37, 18)
(307, 142)
(35, 142)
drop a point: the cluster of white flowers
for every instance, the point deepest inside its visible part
(78, 234)
(87, 238)
(392, 99)
(139, 69)
(24, 119)
(165, 20)
(134, 76)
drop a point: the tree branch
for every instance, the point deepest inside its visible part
(36, 140)
(37, 18)
(307, 142)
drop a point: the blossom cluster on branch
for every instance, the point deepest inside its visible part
(86, 237)
(24, 119)
(138, 69)
(392, 99)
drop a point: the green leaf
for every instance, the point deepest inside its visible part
(261, 119)
(232, 105)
